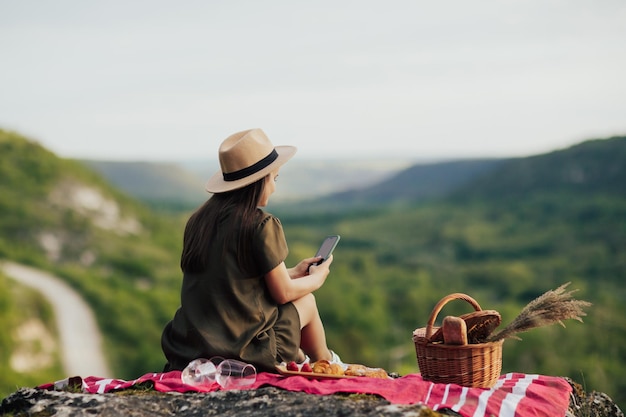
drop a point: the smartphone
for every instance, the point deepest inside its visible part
(327, 247)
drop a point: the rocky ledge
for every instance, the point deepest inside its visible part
(268, 401)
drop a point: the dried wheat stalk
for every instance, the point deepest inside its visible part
(551, 307)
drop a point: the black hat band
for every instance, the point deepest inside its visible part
(252, 169)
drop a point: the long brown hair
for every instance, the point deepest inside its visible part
(201, 226)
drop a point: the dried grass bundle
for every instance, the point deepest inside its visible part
(551, 307)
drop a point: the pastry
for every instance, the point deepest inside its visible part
(325, 367)
(362, 370)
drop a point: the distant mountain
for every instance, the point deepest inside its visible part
(594, 166)
(421, 182)
(425, 181)
(180, 184)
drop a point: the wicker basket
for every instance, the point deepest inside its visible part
(472, 365)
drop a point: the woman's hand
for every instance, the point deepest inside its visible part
(324, 267)
(302, 268)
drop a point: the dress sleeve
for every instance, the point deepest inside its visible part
(271, 246)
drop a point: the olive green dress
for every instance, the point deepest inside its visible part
(230, 313)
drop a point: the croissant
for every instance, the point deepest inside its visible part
(325, 367)
(336, 369)
(362, 370)
(321, 367)
(356, 370)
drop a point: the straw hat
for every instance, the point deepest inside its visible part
(246, 157)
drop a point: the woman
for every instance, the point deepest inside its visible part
(238, 299)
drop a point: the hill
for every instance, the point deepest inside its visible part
(418, 182)
(393, 264)
(592, 167)
(165, 185)
(421, 182)
(179, 186)
(59, 216)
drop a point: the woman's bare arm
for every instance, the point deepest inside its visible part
(283, 285)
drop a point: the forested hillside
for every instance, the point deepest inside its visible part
(594, 167)
(503, 247)
(59, 216)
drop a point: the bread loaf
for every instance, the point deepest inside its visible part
(454, 331)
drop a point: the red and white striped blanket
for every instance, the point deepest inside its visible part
(514, 395)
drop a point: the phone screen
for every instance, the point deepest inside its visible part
(327, 247)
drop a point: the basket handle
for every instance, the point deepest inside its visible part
(443, 302)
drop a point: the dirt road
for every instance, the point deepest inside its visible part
(80, 340)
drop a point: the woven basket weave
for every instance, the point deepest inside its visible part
(472, 365)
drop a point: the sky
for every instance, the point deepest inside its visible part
(164, 80)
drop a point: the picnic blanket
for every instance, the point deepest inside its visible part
(514, 395)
